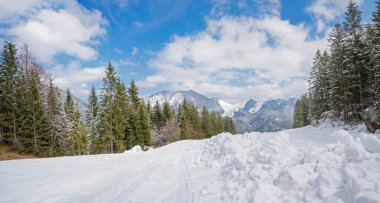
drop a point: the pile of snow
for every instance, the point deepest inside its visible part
(263, 167)
(299, 165)
(134, 149)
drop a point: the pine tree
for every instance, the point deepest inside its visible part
(120, 119)
(39, 124)
(156, 116)
(195, 122)
(132, 125)
(214, 123)
(184, 127)
(183, 120)
(23, 113)
(316, 89)
(77, 137)
(8, 101)
(339, 91)
(131, 128)
(69, 108)
(148, 107)
(92, 111)
(232, 126)
(229, 125)
(57, 124)
(144, 129)
(219, 124)
(301, 115)
(206, 123)
(375, 56)
(354, 62)
(106, 109)
(133, 94)
(167, 112)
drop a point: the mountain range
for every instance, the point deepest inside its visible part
(267, 116)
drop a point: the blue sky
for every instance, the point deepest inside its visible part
(232, 50)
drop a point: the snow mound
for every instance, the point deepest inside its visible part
(370, 142)
(298, 165)
(134, 149)
(269, 167)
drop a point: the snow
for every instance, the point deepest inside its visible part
(256, 108)
(134, 149)
(230, 109)
(325, 164)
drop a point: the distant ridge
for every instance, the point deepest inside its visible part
(268, 116)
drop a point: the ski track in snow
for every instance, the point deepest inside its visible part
(299, 165)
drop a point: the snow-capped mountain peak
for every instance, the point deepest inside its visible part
(251, 115)
(175, 98)
(230, 109)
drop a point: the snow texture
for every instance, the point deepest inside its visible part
(308, 164)
(230, 109)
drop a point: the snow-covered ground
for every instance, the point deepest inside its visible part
(299, 165)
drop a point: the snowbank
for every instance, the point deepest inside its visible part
(267, 167)
(299, 165)
(134, 149)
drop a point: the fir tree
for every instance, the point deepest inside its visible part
(219, 124)
(183, 120)
(148, 107)
(229, 125)
(156, 116)
(77, 137)
(354, 62)
(39, 124)
(132, 125)
(133, 94)
(195, 122)
(92, 110)
(120, 119)
(339, 91)
(301, 115)
(214, 125)
(144, 129)
(167, 112)
(8, 101)
(375, 56)
(131, 132)
(57, 124)
(106, 109)
(206, 123)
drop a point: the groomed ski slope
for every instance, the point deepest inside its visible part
(300, 165)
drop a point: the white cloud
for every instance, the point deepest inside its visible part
(137, 24)
(134, 51)
(11, 11)
(77, 78)
(119, 51)
(236, 58)
(54, 27)
(269, 7)
(325, 11)
(125, 63)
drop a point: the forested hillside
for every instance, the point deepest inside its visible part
(345, 78)
(33, 118)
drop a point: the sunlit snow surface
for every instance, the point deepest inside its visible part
(300, 165)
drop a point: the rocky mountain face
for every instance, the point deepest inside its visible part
(271, 115)
(175, 98)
